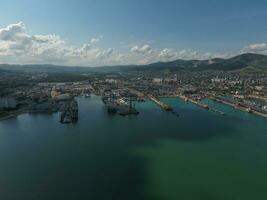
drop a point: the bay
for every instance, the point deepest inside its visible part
(155, 155)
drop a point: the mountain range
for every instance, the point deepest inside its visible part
(249, 61)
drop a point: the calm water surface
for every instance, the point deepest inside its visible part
(200, 155)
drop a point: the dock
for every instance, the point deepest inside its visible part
(183, 98)
(69, 112)
(205, 106)
(241, 108)
(162, 105)
(198, 103)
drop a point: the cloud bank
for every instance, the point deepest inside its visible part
(18, 46)
(256, 48)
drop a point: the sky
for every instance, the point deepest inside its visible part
(118, 32)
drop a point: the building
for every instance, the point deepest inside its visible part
(157, 80)
(7, 103)
(188, 89)
(217, 80)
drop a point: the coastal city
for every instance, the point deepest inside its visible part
(120, 92)
(133, 100)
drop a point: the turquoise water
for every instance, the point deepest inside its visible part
(200, 155)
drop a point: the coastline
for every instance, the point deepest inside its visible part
(14, 114)
(223, 102)
(239, 108)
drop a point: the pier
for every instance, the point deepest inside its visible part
(162, 105)
(244, 109)
(198, 103)
(205, 106)
(69, 112)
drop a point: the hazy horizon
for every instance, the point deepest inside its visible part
(116, 65)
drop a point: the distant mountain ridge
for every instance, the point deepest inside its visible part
(235, 63)
(249, 60)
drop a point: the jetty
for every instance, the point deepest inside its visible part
(69, 113)
(162, 105)
(198, 103)
(240, 107)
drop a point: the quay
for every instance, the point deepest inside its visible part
(229, 104)
(205, 106)
(69, 112)
(162, 105)
(259, 113)
(187, 99)
(239, 108)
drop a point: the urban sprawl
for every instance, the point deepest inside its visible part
(23, 92)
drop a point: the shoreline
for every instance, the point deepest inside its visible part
(222, 102)
(21, 112)
(238, 107)
(14, 114)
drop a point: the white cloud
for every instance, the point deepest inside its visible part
(170, 54)
(255, 48)
(96, 40)
(143, 49)
(105, 53)
(17, 45)
(167, 53)
(13, 32)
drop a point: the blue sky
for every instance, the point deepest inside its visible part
(210, 27)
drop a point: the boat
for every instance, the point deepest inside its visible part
(87, 95)
(249, 110)
(205, 106)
